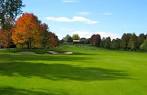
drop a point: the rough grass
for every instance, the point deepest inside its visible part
(89, 71)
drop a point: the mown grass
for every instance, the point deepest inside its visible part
(89, 71)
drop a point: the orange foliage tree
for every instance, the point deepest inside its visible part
(27, 31)
(4, 38)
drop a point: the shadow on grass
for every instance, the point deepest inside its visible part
(29, 57)
(60, 71)
(14, 91)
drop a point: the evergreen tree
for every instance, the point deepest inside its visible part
(107, 42)
(68, 38)
(144, 45)
(115, 44)
(125, 40)
(133, 42)
(102, 42)
(140, 40)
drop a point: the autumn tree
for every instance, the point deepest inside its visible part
(44, 35)
(27, 31)
(49, 39)
(95, 40)
(52, 40)
(3, 39)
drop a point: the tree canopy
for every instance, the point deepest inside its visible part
(95, 40)
(75, 37)
(144, 45)
(31, 33)
(9, 10)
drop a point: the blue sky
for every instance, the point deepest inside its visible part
(86, 17)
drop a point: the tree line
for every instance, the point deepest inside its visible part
(128, 41)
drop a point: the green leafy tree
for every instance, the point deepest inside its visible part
(102, 42)
(125, 40)
(68, 38)
(9, 9)
(115, 44)
(48, 38)
(45, 35)
(144, 45)
(84, 41)
(140, 40)
(107, 42)
(75, 37)
(132, 42)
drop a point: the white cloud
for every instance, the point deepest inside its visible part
(73, 19)
(88, 34)
(70, 1)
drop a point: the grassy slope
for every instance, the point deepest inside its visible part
(90, 71)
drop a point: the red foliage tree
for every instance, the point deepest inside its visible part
(4, 38)
(53, 39)
(95, 40)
